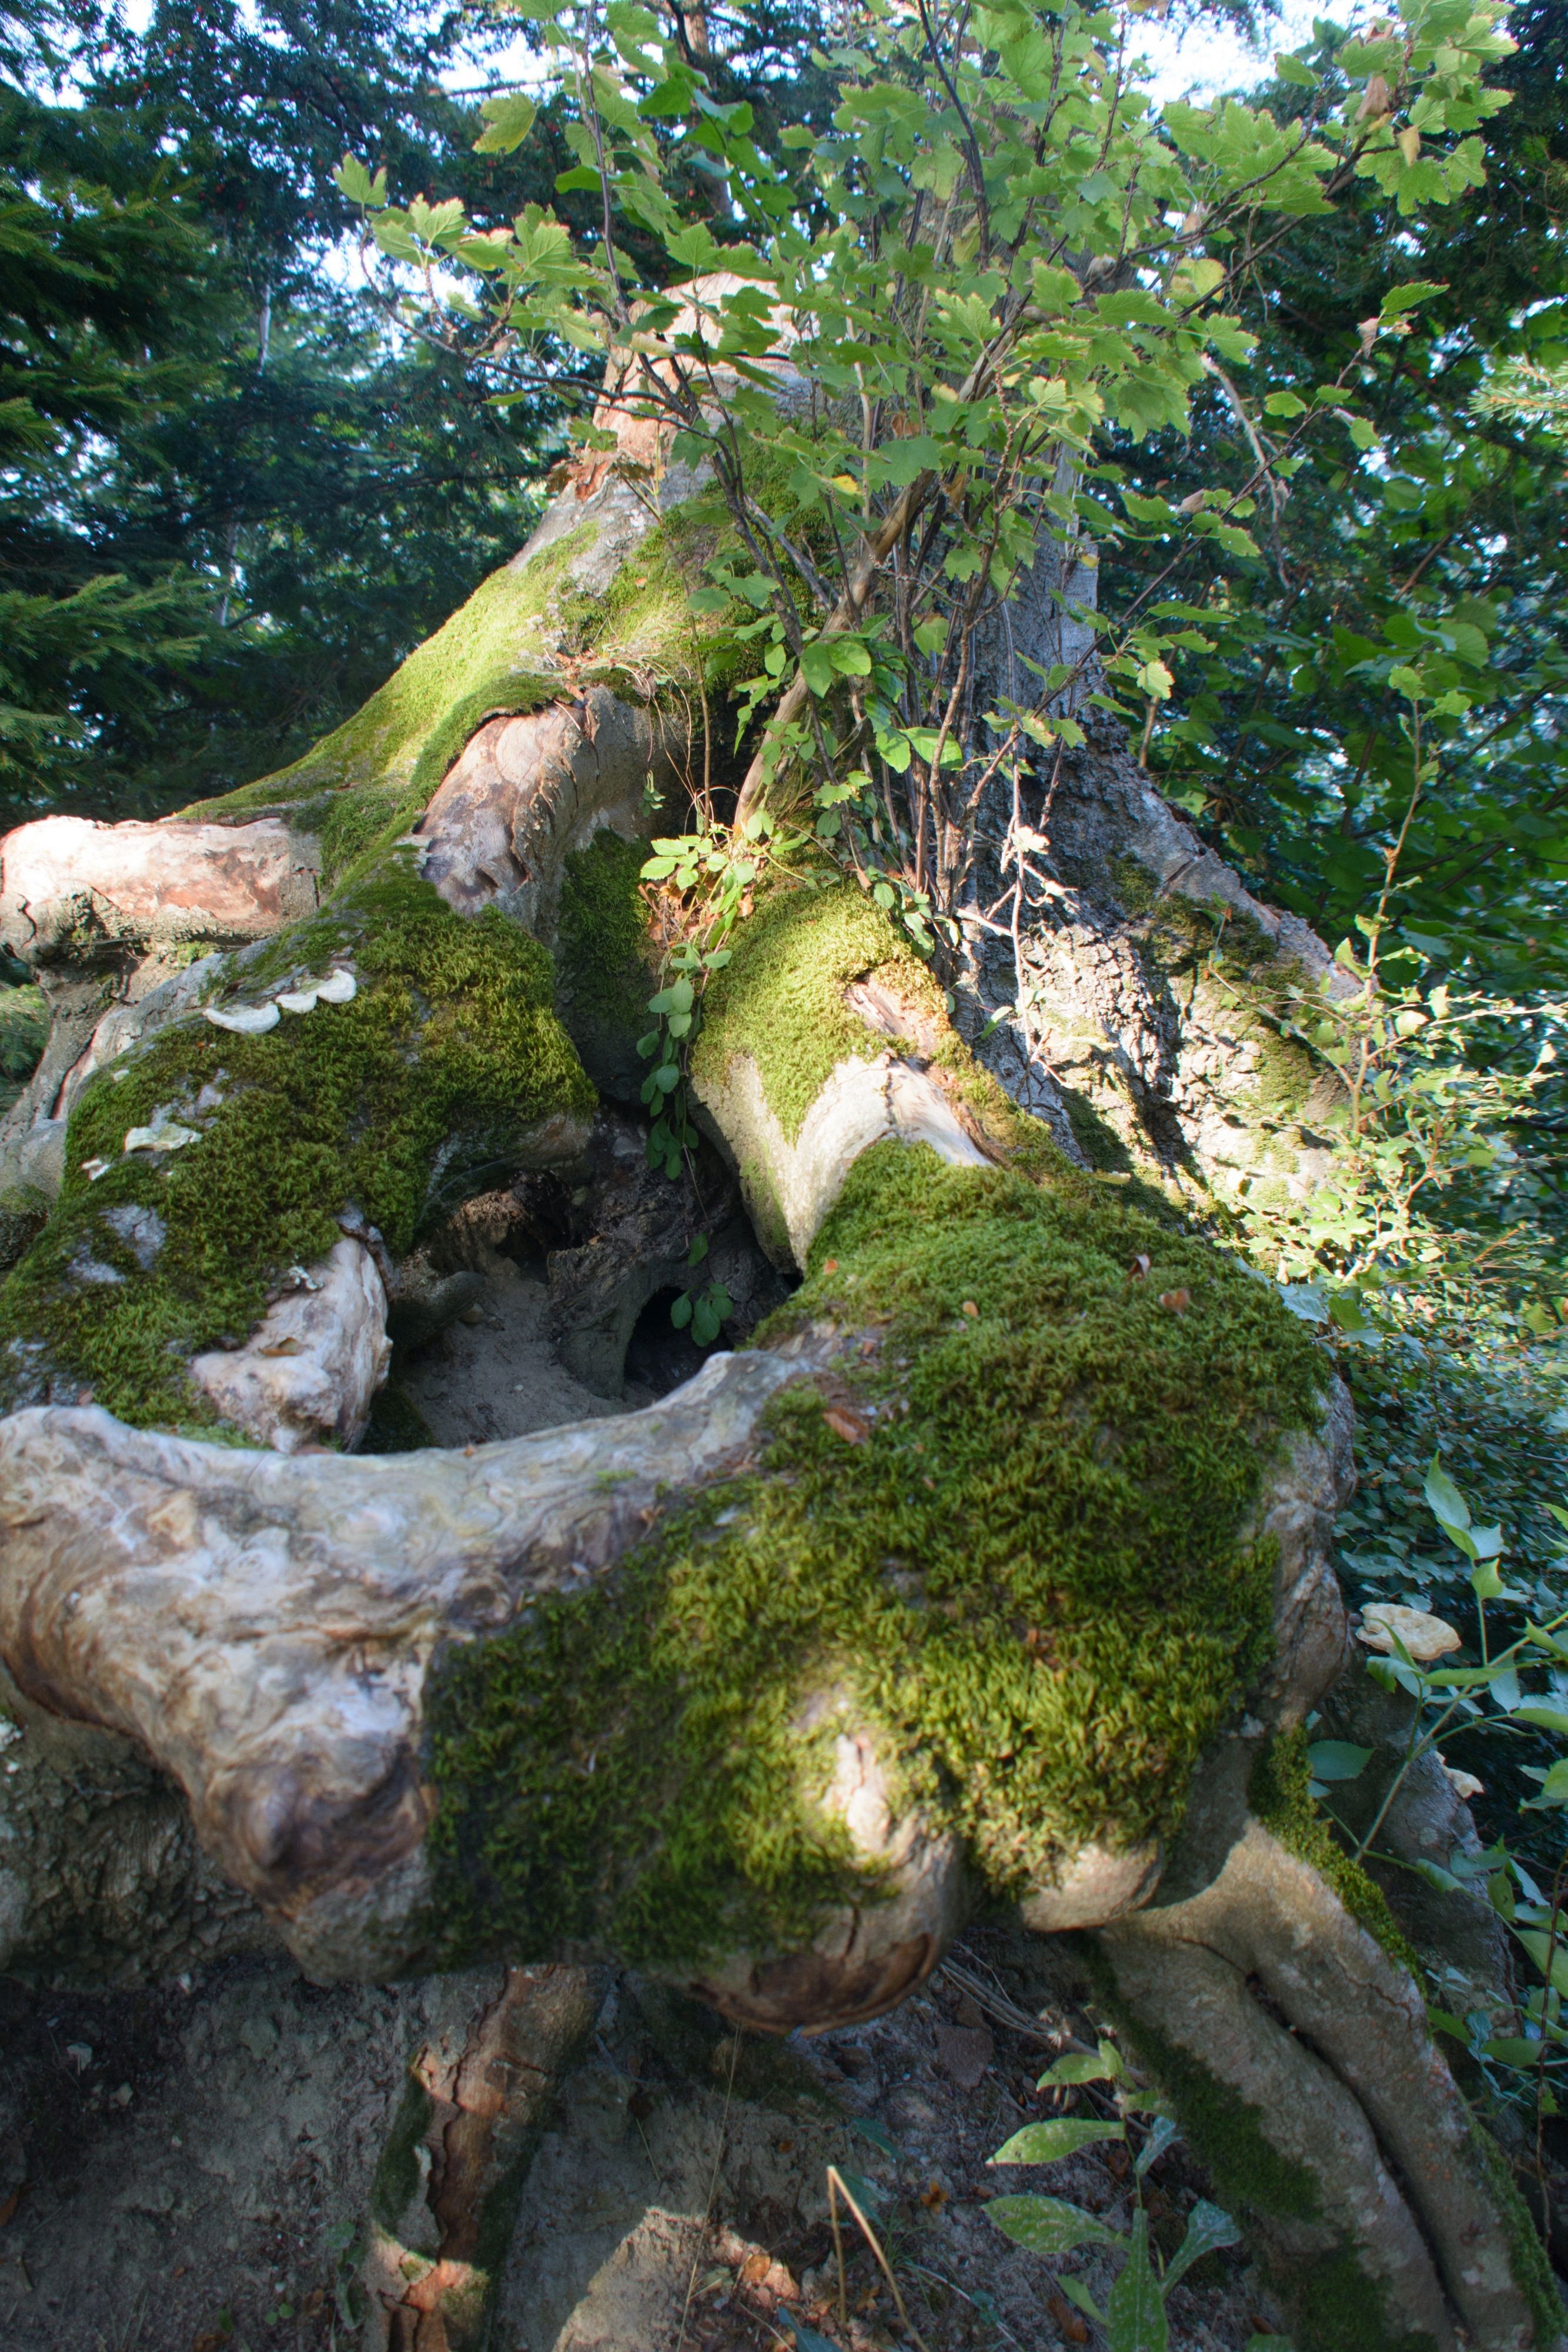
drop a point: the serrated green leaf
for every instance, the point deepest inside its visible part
(507, 122)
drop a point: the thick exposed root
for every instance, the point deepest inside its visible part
(446, 2194)
(260, 1625)
(1298, 2053)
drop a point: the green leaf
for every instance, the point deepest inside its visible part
(1048, 2142)
(1076, 2292)
(698, 1250)
(681, 1311)
(1408, 297)
(1337, 1759)
(1546, 1719)
(1078, 2066)
(675, 999)
(358, 186)
(1513, 2049)
(817, 668)
(1447, 1505)
(1297, 71)
(850, 658)
(507, 121)
(1206, 2228)
(1536, 1943)
(1136, 2309)
(1046, 2225)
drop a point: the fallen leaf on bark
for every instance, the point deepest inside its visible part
(8, 2209)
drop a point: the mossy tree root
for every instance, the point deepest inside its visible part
(1297, 2052)
(955, 1576)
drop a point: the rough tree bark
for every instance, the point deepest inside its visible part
(996, 1569)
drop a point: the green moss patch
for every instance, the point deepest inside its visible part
(1528, 2258)
(24, 1034)
(781, 1001)
(607, 967)
(493, 654)
(398, 1102)
(1280, 1793)
(499, 652)
(1337, 2305)
(1025, 1581)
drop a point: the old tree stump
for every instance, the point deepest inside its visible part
(992, 1569)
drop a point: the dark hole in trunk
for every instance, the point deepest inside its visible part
(658, 1356)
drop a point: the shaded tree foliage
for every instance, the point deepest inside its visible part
(1433, 538)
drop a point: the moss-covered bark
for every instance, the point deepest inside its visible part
(1004, 1537)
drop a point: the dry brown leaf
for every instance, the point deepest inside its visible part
(8, 2209)
(1177, 1301)
(1139, 1269)
(933, 2198)
(847, 1425)
(755, 2267)
(832, 1267)
(970, 1307)
(1071, 2323)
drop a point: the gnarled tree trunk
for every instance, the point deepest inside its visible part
(995, 1568)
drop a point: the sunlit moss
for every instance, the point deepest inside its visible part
(1028, 1584)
